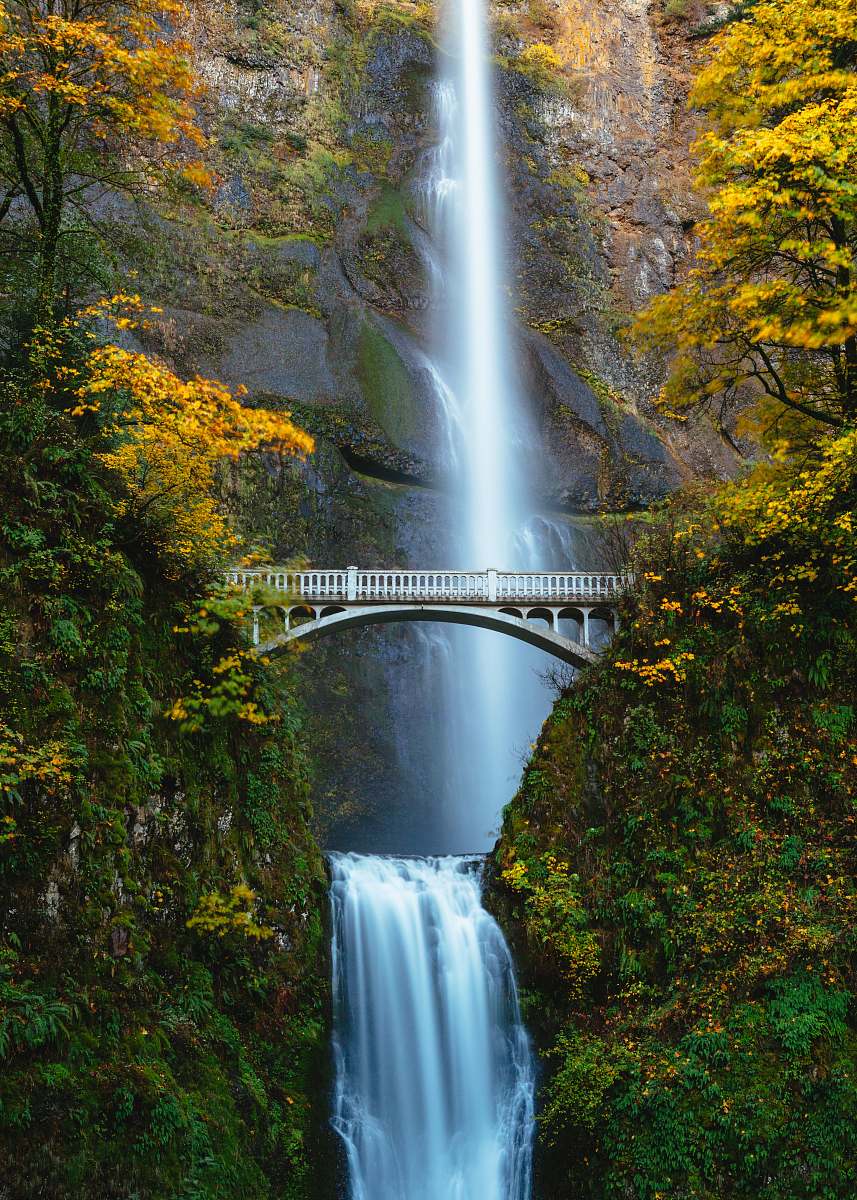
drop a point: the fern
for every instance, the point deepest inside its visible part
(29, 1019)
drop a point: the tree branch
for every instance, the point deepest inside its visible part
(23, 169)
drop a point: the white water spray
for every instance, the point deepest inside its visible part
(434, 1076)
(498, 701)
(434, 1088)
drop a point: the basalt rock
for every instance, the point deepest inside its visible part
(313, 285)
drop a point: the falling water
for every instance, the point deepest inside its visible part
(478, 333)
(434, 1077)
(497, 700)
(434, 1089)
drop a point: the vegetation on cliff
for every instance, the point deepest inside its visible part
(160, 999)
(681, 854)
(769, 309)
(162, 985)
(94, 102)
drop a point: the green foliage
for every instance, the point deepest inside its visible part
(696, 789)
(153, 797)
(233, 915)
(586, 1070)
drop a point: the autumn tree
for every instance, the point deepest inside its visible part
(159, 437)
(768, 314)
(95, 97)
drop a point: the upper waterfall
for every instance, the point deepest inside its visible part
(496, 701)
(477, 333)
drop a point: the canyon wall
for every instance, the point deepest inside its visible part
(310, 283)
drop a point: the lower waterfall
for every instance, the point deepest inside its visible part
(434, 1075)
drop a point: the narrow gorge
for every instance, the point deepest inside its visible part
(428, 564)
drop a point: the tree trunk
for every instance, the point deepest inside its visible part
(52, 214)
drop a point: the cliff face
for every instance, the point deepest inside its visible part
(310, 273)
(322, 113)
(677, 870)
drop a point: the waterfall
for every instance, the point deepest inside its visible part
(434, 1088)
(434, 1076)
(496, 698)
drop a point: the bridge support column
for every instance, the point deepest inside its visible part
(351, 586)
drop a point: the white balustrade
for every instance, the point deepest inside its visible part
(479, 587)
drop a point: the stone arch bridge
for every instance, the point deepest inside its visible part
(565, 613)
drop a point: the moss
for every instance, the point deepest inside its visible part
(289, 285)
(386, 386)
(372, 152)
(268, 241)
(688, 810)
(394, 16)
(387, 212)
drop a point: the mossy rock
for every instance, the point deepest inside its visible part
(387, 387)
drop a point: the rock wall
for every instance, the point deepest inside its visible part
(309, 271)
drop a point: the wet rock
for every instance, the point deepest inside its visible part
(285, 352)
(555, 383)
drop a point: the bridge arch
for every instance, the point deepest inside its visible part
(334, 618)
(541, 614)
(302, 614)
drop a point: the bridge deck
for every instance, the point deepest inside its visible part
(538, 607)
(356, 585)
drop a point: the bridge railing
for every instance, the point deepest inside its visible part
(493, 587)
(559, 586)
